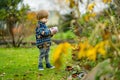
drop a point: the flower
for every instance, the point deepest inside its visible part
(87, 17)
(66, 1)
(57, 55)
(100, 47)
(107, 1)
(91, 53)
(93, 14)
(102, 51)
(65, 47)
(57, 52)
(91, 6)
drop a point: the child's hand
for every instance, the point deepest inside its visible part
(54, 30)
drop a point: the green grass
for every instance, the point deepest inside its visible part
(62, 36)
(22, 64)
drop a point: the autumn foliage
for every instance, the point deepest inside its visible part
(97, 41)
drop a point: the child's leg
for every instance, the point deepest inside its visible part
(48, 65)
(47, 55)
(41, 56)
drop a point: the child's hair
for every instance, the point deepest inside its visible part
(42, 14)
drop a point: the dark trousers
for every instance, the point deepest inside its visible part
(44, 53)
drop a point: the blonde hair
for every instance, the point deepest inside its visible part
(42, 14)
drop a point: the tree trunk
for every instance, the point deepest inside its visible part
(10, 25)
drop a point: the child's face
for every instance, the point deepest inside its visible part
(44, 20)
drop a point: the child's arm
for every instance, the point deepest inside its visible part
(44, 32)
(48, 32)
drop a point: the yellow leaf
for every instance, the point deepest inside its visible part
(67, 1)
(102, 51)
(57, 53)
(91, 6)
(91, 54)
(100, 47)
(58, 63)
(87, 18)
(72, 3)
(81, 54)
(93, 14)
(65, 47)
(104, 1)
(107, 1)
(83, 47)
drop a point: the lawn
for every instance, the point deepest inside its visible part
(22, 64)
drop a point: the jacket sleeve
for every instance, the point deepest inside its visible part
(39, 32)
(47, 32)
